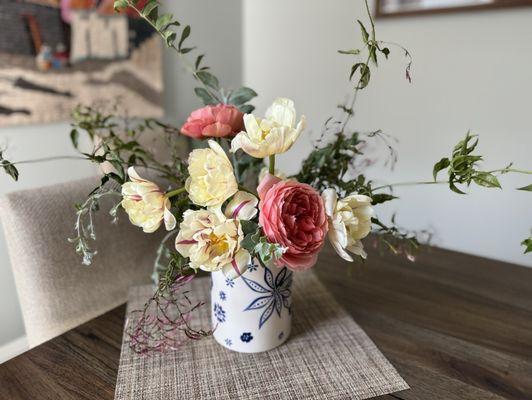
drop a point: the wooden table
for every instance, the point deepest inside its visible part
(455, 327)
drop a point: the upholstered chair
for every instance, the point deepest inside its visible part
(56, 291)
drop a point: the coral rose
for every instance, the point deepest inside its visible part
(292, 215)
(221, 120)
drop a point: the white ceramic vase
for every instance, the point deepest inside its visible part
(252, 313)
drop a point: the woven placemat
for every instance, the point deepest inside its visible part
(328, 356)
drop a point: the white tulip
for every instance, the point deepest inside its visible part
(274, 134)
(349, 222)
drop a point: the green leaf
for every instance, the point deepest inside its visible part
(246, 108)
(267, 251)
(250, 241)
(241, 96)
(365, 34)
(167, 22)
(439, 166)
(353, 52)
(9, 168)
(373, 54)
(382, 198)
(453, 187)
(354, 69)
(164, 21)
(526, 188)
(74, 138)
(365, 75)
(528, 245)
(205, 97)
(169, 37)
(184, 34)
(487, 180)
(186, 50)
(198, 61)
(209, 79)
(148, 9)
(248, 227)
(119, 170)
(120, 4)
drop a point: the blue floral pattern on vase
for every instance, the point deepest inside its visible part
(219, 313)
(228, 342)
(223, 296)
(281, 336)
(246, 337)
(229, 282)
(252, 267)
(274, 296)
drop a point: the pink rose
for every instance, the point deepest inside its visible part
(292, 215)
(221, 120)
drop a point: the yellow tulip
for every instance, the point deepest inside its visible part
(211, 180)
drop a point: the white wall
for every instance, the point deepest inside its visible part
(216, 30)
(471, 71)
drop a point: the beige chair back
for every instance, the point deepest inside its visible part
(56, 291)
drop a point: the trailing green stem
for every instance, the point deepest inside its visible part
(505, 170)
(409, 184)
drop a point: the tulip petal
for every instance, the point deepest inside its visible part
(134, 176)
(283, 112)
(266, 184)
(243, 205)
(169, 218)
(358, 249)
(330, 198)
(238, 265)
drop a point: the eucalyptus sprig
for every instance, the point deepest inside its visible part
(170, 29)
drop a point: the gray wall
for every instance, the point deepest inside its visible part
(216, 31)
(471, 71)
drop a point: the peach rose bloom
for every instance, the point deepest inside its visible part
(221, 120)
(292, 215)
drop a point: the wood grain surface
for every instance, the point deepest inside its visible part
(455, 327)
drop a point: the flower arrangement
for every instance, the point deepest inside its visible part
(227, 204)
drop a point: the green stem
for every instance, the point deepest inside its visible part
(505, 170)
(272, 164)
(45, 159)
(410, 184)
(370, 20)
(175, 192)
